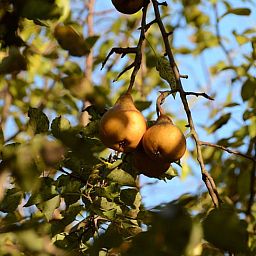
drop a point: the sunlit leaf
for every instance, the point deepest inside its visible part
(165, 70)
(70, 40)
(238, 11)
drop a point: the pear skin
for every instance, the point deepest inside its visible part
(123, 126)
(129, 6)
(164, 141)
(149, 167)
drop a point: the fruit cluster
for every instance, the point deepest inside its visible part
(124, 129)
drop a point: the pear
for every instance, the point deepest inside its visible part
(122, 127)
(147, 166)
(129, 6)
(164, 141)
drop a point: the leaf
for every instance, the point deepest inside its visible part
(241, 39)
(71, 40)
(40, 9)
(14, 62)
(142, 105)
(11, 200)
(30, 239)
(219, 123)
(166, 72)
(48, 207)
(224, 229)
(46, 191)
(38, 121)
(78, 85)
(231, 105)
(249, 113)
(58, 125)
(121, 177)
(249, 89)
(237, 11)
(130, 197)
(71, 68)
(91, 40)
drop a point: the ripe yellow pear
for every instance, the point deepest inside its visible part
(122, 127)
(129, 6)
(164, 141)
(147, 166)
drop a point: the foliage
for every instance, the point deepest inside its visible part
(62, 192)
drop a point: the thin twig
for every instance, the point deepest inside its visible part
(138, 57)
(197, 94)
(205, 175)
(148, 25)
(124, 70)
(119, 50)
(230, 151)
(134, 50)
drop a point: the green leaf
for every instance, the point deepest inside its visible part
(219, 123)
(249, 113)
(130, 197)
(48, 207)
(14, 62)
(78, 85)
(71, 40)
(71, 68)
(142, 105)
(165, 70)
(249, 89)
(237, 11)
(91, 40)
(225, 230)
(58, 125)
(40, 9)
(11, 200)
(31, 240)
(121, 177)
(38, 121)
(46, 191)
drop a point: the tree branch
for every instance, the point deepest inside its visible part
(134, 50)
(205, 175)
(235, 152)
(197, 94)
(119, 50)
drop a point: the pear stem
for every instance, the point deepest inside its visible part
(159, 102)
